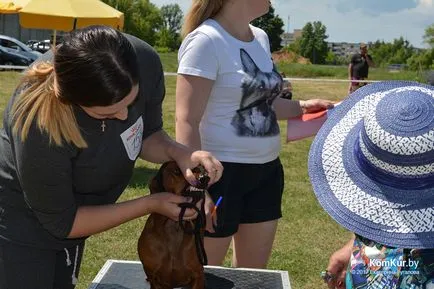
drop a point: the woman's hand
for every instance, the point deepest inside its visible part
(337, 266)
(188, 161)
(167, 204)
(286, 92)
(315, 105)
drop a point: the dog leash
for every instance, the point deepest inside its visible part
(197, 196)
(199, 223)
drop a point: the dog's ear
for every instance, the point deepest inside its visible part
(249, 65)
(153, 185)
(156, 184)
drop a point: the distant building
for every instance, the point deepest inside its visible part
(340, 49)
(288, 38)
(10, 26)
(344, 49)
(298, 33)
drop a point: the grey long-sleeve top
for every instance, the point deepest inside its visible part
(42, 185)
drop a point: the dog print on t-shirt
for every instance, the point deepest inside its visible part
(256, 116)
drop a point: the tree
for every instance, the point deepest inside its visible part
(126, 7)
(142, 18)
(169, 35)
(148, 21)
(396, 52)
(331, 58)
(429, 35)
(421, 60)
(319, 44)
(172, 17)
(166, 39)
(273, 26)
(306, 41)
(294, 46)
(313, 43)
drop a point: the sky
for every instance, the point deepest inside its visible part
(353, 20)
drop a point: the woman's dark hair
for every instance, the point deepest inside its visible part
(95, 66)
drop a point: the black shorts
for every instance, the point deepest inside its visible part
(252, 193)
(32, 268)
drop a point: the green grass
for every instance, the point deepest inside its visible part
(341, 72)
(8, 81)
(306, 235)
(170, 61)
(315, 71)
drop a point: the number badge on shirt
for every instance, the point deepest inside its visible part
(132, 139)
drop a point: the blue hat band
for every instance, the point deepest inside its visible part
(406, 182)
(419, 159)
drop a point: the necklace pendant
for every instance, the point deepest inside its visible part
(103, 126)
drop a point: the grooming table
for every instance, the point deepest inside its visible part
(118, 274)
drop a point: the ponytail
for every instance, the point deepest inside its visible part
(38, 101)
(200, 11)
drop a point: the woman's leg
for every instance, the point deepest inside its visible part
(231, 188)
(26, 267)
(250, 208)
(262, 208)
(216, 249)
(253, 243)
(350, 87)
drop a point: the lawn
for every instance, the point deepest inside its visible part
(306, 235)
(341, 72)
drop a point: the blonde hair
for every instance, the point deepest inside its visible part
(200, 11)
(38, 101)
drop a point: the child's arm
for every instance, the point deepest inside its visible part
(338, 264)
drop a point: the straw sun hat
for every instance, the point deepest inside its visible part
(372, 164)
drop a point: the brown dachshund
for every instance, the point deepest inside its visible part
(171, 254)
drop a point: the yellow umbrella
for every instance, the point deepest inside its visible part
(8, 7)
(11, 6)
(67, 15)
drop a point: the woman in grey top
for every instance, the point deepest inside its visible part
(71, 134)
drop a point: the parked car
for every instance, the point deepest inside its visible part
(41, 46)
(10, 57)
(30, 42)
(17, 47)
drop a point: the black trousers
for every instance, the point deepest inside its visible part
(24, 267)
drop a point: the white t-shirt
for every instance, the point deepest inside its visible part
(239, 123)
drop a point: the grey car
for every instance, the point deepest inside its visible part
(17, 47)
(8, 57)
